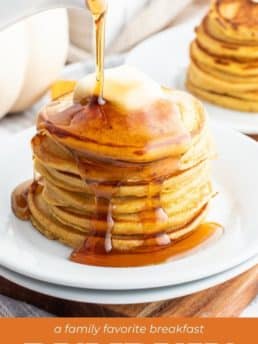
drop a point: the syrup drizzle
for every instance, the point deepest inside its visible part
(98, 10)
(19, 200)
(103, 212)
(151, 255)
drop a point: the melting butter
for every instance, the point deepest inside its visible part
(125, 86)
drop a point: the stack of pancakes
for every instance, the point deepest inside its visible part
(134, 171)
(224, 56)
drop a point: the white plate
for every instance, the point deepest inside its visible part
(126, 296)
(24, 250)
(165, 58)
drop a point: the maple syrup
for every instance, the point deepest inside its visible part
(98, 9)
(162, 250)
(19, 200)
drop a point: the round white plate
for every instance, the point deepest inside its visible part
(126, 296)
(24, 250)
(165, 57)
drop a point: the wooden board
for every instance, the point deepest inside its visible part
(225, 300)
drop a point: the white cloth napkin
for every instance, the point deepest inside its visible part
(10, 308)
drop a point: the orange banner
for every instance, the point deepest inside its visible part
(130, 331)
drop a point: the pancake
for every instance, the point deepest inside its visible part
(53, 229)
(199, 78)
(235, 20)
(184, 183)
(221, 48)
(131, 173)
(229, 67)
(223, 100)
(224, 56)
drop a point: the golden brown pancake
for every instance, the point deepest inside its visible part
(224, 56)
(134, 173)
(236, 20)
(54, 229)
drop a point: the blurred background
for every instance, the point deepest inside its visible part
(35, 51)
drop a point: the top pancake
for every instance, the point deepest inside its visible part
(235, 19)
(155, 127)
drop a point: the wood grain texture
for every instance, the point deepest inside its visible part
(225, 300)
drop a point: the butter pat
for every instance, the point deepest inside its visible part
(124, 86)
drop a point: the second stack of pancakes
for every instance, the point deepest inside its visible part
(135, 171)
(224, 56)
